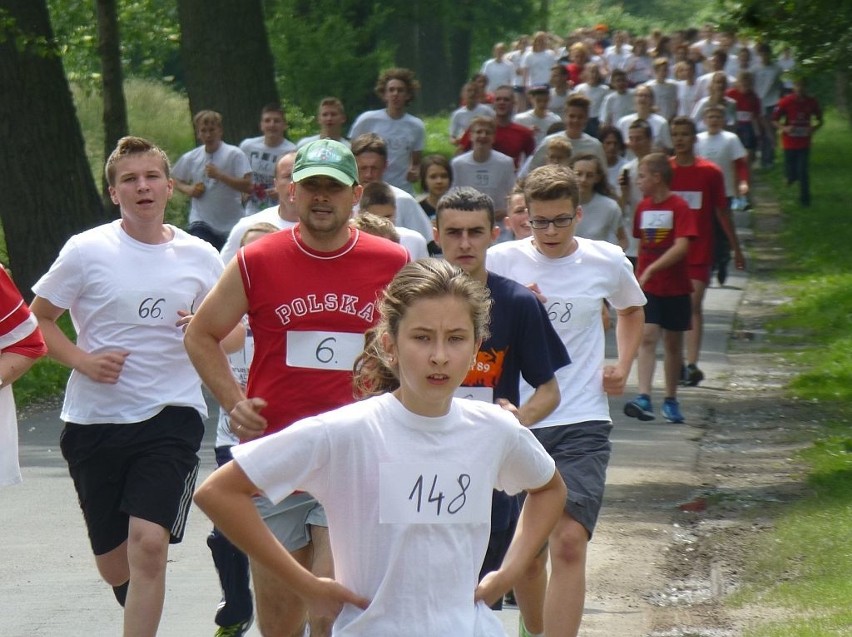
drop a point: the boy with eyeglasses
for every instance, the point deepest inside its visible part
(572, 277)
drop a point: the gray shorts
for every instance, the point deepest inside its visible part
(581, 451)
(290, 520)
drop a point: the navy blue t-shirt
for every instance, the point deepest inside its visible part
(522, 343)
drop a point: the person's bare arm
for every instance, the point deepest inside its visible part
(414, 166)
(541, 404)
(621, 237)
(242, 184)
(103, 367)
(677, 252)
(226, 498)
(628, 337)
(540, 513)
(13, 366)
(218, 315)
(726, 221)
(190, 190)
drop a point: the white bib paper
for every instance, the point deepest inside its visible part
(335, 351)
(144, 307)
(691, 197)
(432, 493)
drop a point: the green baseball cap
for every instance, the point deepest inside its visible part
(328, 158)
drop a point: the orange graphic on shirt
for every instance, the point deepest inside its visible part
(486, 369)
(655, 236)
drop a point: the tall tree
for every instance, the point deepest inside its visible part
(48, 190)
(227, 60)
(445, 41)
(420, 36)
(820, 32)
(328, 48)
(112, 83)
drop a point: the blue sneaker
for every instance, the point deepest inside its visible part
(640, 407)
(671, 410)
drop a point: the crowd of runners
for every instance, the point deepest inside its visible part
(414, 394)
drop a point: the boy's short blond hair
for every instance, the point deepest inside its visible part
(551, 182)
(207, 118)
(482, 120)
(263, 227)
(561, 146)
(375, 225)
(128, 146)
(658, 164)
(333, 102)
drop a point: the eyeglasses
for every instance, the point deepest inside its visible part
(558, 222)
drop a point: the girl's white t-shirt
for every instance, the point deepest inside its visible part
(408, 500)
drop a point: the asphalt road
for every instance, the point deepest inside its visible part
(50, 586)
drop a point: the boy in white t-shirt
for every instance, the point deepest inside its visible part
(215, 175)
(330, 116)
(234, 614)
(483, 168)
(573, 276)
(405, 134)
(461, 117)
(133, 407)
(263, 152)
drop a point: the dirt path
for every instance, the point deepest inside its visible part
(682, 550)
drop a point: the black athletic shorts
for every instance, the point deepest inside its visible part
(673, 313)
(146, 470)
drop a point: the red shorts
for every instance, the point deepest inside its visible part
(700, 272)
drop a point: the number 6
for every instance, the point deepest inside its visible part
(328, 352)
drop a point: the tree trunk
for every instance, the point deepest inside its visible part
(460, 36)
(112, 86)
(440, 93)
(228, 63)
(47, 185)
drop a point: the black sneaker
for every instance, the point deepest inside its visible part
(693, 376)
(722, 273)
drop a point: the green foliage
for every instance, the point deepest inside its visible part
(637, 16)
(820, 31)
(22, 39)
(438, 136)
(494, 20)
(818, 271)
(155, 111)
(150, 39)
(804, 564)
(46, 378)
(338, 54)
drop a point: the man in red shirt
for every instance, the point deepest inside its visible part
(310, 293)
(793, 116)
(511, 139)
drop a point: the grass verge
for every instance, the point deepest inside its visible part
(804, 565)
(47, 378)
